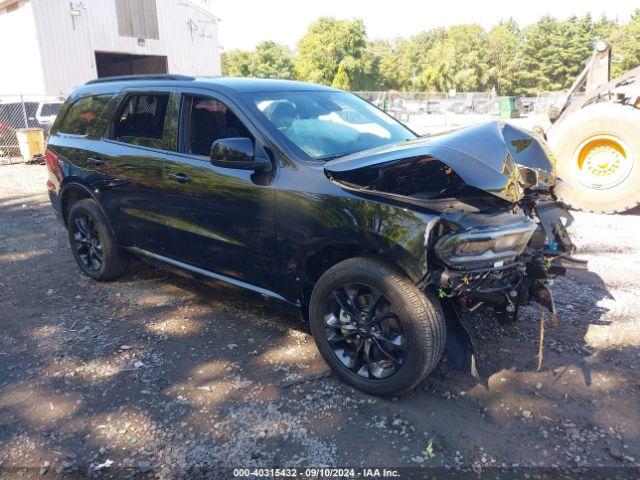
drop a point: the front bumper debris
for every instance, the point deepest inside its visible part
(482, 281)
(547, 254)
(505, 287)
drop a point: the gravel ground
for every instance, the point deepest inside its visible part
(156, 376)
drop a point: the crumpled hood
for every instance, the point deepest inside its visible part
(496, 157)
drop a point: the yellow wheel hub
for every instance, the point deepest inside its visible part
(602, 157)
(603, 162)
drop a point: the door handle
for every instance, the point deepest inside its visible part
(96, 161)
(179, 177)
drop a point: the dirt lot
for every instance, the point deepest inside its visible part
(156, 374)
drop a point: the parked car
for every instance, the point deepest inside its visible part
(414, 106)
(315, 198)
(528, 105)
(434, 107)
(33, 113)
(419, 107)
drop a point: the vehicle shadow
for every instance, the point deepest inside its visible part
(517, 346)
(210, 291)
(633, 211)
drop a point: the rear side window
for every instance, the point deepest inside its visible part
(141, 120)
(83, 114)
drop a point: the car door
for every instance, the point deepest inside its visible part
(221, 219)
(130, 159)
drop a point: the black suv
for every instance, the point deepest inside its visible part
(311, 196)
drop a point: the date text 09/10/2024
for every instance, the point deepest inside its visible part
(316, 472)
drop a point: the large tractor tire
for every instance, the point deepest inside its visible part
(598, 156)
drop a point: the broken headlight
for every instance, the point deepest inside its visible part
(479, 248)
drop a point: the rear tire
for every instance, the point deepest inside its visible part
(598, 154)
(92, 244)
(414, 335)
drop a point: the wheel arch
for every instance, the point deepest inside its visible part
(321, 259)
(72, 192)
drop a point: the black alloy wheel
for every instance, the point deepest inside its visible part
(374, 327)
(87, 242)
(92, 243)
(364, 331)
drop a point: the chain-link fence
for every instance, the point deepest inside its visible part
(407, 103)
(404, 103)
(429, 113)
(24, 111)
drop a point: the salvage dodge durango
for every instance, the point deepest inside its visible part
(313, 197)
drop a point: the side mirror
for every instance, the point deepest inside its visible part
(238, 153)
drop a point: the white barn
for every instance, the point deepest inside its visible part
(50, 46)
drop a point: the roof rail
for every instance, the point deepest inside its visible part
(124, 78)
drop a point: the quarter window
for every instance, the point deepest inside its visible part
(84, 114)
(141, 120)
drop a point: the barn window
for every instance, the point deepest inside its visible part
(137, 18)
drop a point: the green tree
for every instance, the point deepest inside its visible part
(456, 60)
(327, 44)
(386, 55)
(605, 28)
(578, 40)
(544, 56)
(236, 63)
(367, 76)
(341, 80)
(626, 46)
(501, 50)
(555, 52)
(268, 60)
(540, 56)
(407, 59)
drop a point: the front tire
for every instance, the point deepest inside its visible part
(92, 244)
(374, 327)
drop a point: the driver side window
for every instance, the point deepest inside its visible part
(206, 120)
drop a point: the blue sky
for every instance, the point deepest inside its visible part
(248, 22)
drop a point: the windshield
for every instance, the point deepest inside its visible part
(327, 125)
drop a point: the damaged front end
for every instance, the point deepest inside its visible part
(498, 236)
(501, 267)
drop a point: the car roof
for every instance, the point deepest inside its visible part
(228, 84)
(242, 85)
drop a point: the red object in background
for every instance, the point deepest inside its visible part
(211, 106)
(3, 126)
(53, 163)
